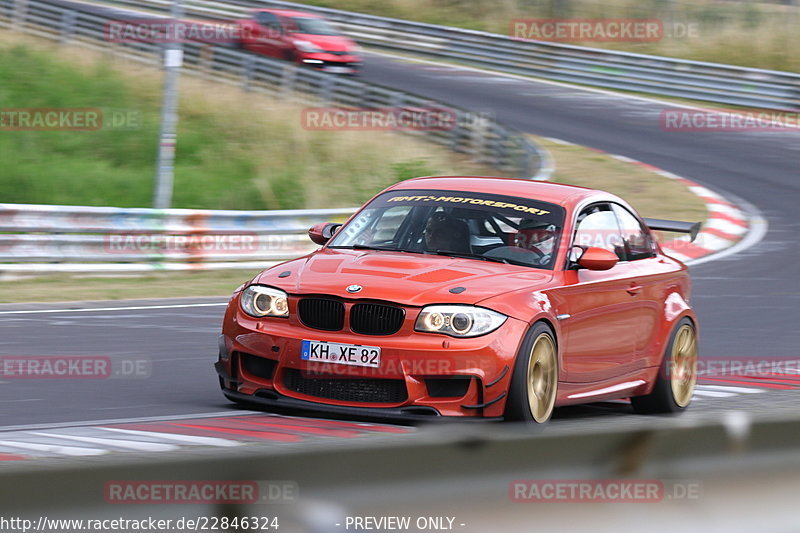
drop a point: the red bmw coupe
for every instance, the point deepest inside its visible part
(473, 297)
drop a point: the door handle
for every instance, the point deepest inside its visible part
(634, 289)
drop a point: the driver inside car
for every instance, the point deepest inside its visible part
(443, 232)
(537, 238)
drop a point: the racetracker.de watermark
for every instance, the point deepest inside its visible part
(597, 29)
(151, 30)
(765, 368)
(72, 367)
(378, 119)
(464, 366)
(602, 490)
(711, 121)
(68, 119)
(200, 492)
(201, 243)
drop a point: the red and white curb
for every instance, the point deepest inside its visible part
(726, 223)
(164, 434)
(240, 428)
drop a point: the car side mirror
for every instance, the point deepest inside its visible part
(321, 233)
(594, 258)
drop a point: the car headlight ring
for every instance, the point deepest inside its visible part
(458, 320)
(259, 301)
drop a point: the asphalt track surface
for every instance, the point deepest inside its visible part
(748, 303)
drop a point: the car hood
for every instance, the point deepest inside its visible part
(404, 278)
(332, 43)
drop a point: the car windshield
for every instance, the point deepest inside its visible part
(487, 227)
(311, 26)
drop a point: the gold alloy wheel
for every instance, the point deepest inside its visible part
(542, 377)
(683, 365)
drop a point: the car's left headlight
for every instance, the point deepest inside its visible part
(458, 320)
(260, 301)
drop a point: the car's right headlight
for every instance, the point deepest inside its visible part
(259, 301)
(458, 320)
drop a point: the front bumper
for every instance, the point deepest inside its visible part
(338, 64)
(273, 401)
(421, 376)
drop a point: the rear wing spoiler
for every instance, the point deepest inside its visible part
(692, 228)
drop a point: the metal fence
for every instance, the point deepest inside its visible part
(662, 76)
(47, 238)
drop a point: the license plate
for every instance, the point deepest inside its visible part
(338, 70)
(342, 354)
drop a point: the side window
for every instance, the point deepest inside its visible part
(597, 227)
(638, 244)
(263, 18)
(378, 226)
(387, 226)
(269, 21)
(290, 25)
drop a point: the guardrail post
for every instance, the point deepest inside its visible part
(325, 91)
(397, 100)
(478, 138)
(68, 20)
(288, 78)
(457, 133)
(7, 14)
(491, 144)
(205, 59)
(19, 11)
(165, 163)
(247, 71)
(527, 157)
(501, 147)
(361, 96)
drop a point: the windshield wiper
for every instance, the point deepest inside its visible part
(467, 255)
(379, 248)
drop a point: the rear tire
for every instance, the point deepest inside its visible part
(677, 376)
(534, 383)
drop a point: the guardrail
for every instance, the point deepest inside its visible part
(663, 76)
(747, 472)
(48, 238)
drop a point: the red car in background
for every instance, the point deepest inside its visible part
(303, 38)
(480, 298)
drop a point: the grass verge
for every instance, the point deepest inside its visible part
(66, 288)
(235, 150)
(652, 195)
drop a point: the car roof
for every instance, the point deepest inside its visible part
(556, 193)
(288, 13)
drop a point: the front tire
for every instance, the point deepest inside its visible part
(534, 383)
(677, 376)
